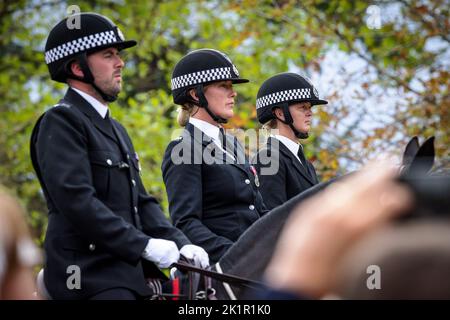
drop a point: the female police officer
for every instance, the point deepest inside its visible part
(212, 189)
(284, 102)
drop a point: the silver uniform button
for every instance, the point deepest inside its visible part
(247, 181)
(135, 210)
(133, 182)
(109, 162)
(92, 247)
(128, 156)
(251, 207)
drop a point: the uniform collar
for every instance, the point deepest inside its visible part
(207, 128)
(211, 131)
(73, 98)
(97, 105)
(291, 145)
(302, 169)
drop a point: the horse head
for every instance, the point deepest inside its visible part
(249, 256)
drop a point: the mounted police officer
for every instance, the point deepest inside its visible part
(102, 224)
(211, 187)
(284, 103)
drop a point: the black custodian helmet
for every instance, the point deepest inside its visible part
(284, 89)
(199, 68)
(66, 42)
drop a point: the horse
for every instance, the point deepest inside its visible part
(251, 253)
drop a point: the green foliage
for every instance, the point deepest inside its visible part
(262, 38)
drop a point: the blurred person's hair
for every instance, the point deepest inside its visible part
(269, 125)
(413, 259)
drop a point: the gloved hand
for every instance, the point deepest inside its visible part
(198, 254)
(162, 252)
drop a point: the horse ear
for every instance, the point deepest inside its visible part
(424, 159)
(410, 151)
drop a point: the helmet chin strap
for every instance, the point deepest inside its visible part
(299, 134)
(203, 103)
(89, 78)
(290, 122)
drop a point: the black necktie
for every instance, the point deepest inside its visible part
(223, 138)
(301, 156)
(107, 119)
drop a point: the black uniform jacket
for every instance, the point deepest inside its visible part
(291, 178)
(100, 216)
(212, 198)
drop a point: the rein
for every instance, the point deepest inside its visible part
(223, 277)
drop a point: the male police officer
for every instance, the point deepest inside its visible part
(284, 103)
(101, 220)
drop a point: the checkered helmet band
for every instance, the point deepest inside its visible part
(80, 45)
(203, 76)
(283, 96)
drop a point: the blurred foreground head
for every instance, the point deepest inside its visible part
(406, 261)
(17, 252)
(333, 242)
(410, 257)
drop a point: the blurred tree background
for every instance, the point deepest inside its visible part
(383, 66)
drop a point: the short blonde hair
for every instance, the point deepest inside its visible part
(271, 124)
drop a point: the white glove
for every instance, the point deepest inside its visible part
(198, 254)
(162, 252)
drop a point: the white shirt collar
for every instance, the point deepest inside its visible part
(207, 128)
(291, 145)
(210, 130)
(97, 105)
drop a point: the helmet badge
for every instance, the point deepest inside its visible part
(235, 70)
(119, 32)
(316, 93)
